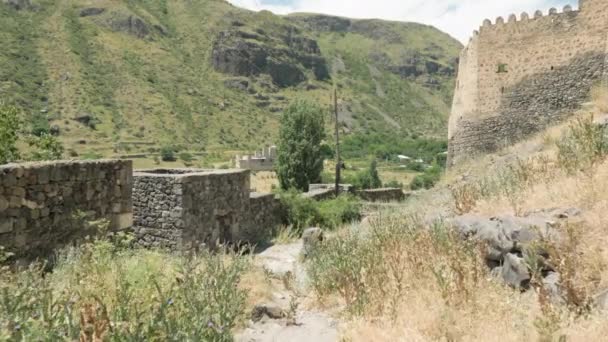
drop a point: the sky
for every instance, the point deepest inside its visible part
(457, 17)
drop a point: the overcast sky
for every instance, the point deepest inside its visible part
(457, 17)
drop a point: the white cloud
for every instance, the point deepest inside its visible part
(457, 17)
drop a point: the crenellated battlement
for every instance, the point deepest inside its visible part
(513, 23)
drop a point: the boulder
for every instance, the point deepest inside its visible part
(515, 272)
(311, 238)
(237, 83)
(271, 311)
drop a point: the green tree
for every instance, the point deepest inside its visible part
(9, 133)
(167, 153)
(46, 147)
(300, 155)
(369, 179)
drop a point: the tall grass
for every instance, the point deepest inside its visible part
(101, 292)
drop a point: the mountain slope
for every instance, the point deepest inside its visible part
(130, 76)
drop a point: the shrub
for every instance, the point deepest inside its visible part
(368, 179)
(583, 145)
(300, 156)
(46, 147)
(40, 125)
(300, 212)
(394, 184)
(338, 211)
(186, 157)
(9, 133)
(427, 180)
(167, 154)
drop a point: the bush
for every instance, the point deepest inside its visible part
(427, 180)
(368, 179)
(302, 212)
(394, 184)
(167, 154)
(124, 295)
(9, 133)
(186, 157)
(40, 125)
(46, 147)
(338, 211)
(583, 145)
(300, 156)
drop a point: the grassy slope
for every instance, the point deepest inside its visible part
(162, 89)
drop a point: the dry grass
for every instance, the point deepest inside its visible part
(264, 181)
(420, 288)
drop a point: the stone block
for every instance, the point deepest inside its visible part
(6, 225)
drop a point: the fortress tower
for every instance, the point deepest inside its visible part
(521, 74)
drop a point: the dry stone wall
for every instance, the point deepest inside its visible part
(44, 206)
(517, 77)
(184, 209)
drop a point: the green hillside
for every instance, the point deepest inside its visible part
(125, 77)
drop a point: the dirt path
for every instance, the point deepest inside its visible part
(299, 324)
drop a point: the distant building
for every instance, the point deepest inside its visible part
(260, 161)
(404, 159)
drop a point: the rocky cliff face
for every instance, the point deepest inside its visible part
(284, 56)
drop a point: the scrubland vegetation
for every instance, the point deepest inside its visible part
(408, 275)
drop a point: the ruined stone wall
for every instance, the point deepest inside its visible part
(265, 213)
(183, 209)
(44, 206)
(517, 77)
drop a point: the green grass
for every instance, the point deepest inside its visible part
(121, 294)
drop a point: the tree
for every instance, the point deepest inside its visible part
(46, 147)
(369, 179)
(300, 155)
(167, 154)
(9, 133)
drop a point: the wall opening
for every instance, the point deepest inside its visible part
(502, 68)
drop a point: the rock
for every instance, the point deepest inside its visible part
(515, 272)
(311, 238)
(551, 284)
(91, 11)
(601, 300)
(130, 24)
(19, 4)
(271, 311)
(55, 130)
(504, 234)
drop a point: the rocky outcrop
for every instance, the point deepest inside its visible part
(19, 4)
(242, 53)
(508, 239)
(130, 24)
(91, 11)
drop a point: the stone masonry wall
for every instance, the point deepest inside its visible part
(43, 206)
(519, 76)
(183, 209)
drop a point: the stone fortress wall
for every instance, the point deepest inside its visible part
(43, 205)
(518, 76)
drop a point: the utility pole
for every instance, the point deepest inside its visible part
(338, 161)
